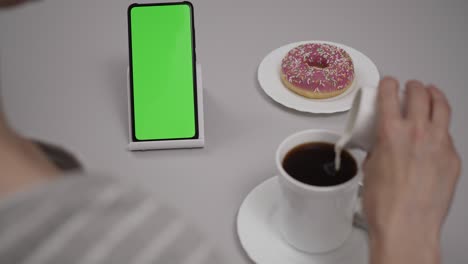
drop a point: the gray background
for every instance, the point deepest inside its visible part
(63, 65)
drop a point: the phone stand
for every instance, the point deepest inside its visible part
(169, 144)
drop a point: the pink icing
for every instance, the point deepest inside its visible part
(318, 67)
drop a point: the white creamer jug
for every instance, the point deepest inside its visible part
(360, 127)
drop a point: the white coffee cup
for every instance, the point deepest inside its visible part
(316, 219)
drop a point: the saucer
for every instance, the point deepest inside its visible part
(257, 228)
(366, 74)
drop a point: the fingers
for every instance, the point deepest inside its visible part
(418, 103)
(423, 104)
(388, 104)
(440, 109)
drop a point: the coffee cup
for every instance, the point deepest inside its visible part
(316, 219)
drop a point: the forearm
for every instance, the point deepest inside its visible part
(6, 133)
(23, 165)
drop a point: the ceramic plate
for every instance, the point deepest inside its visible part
(257, 228)
(366, 74)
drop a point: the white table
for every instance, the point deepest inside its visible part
(63, 65)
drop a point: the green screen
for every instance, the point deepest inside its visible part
(162, 72)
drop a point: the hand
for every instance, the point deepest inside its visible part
(410, 174)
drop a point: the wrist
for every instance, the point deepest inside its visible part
(405, 247)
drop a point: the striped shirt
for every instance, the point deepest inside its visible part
(90, 219)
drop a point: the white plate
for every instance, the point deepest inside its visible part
(366, 74)
(260, 238)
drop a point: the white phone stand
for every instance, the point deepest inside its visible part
(169, 144)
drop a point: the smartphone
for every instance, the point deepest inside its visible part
(162, 71)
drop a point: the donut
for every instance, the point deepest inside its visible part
(317, 70)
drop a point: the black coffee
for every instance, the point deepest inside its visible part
(314, 164)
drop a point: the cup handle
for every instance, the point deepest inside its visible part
(358, 220)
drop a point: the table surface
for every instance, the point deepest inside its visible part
(63, 66)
